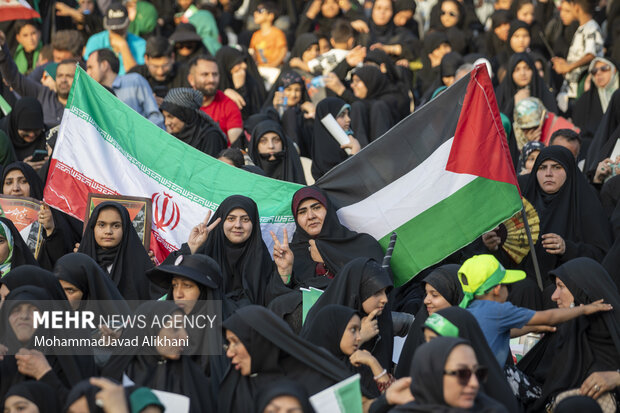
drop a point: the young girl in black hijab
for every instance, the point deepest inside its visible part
(32, 397)
(275, 153)
(397, 42)
(25, 129)
(112, 241)
(273, 397)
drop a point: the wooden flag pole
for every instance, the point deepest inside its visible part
(532, 249)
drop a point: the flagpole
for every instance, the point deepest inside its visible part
(532, 249)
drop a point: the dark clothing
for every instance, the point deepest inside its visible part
(177, 77)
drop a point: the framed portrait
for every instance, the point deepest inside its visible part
(24, 213)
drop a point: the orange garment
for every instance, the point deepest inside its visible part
(268, 47)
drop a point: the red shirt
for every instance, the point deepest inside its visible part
(224, 111)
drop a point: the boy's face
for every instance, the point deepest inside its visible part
(261, 15)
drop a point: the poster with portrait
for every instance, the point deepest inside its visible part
(139, 211)
(24, 213)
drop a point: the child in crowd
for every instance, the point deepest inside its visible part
(268, 44)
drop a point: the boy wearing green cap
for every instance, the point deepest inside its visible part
(484, 282)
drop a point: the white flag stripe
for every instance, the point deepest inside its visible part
(407, 197)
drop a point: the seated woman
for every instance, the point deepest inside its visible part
(233, 239)
(604, 144)
(443, 289)
(31, 397)
(185, 120)
(591, 344)
(449, 17)
(446, 375)
(262, 349)
(272, 151)
(458, 322)
(61, 231)
(13, 250)
(336, 328)
(25, 130)
(112, 241)
(158, 366)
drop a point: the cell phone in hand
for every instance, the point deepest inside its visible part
(38, 155)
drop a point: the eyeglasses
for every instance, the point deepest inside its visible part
(451, 13)
(188, 45)
(464, 374)
(605, 68)
(261, 10)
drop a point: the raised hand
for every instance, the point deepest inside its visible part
(282, 255)
(200, 232)
(46, 219)
(370, 326)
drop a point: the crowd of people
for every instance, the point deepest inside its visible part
(268, 86)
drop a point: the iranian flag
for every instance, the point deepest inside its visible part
(106, 147)
(440, 178)
(16, 9)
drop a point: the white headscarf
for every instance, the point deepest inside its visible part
(605, 93)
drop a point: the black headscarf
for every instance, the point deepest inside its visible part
(287, 165)
(284, 388)
(427, 373)
(27, 114)
(326, 151)
(612, 260)
(36, 186)
(379, 88)
(303, 43)
(40, 394)
(200, 131)
(574, 213)
(276, 352)
(358, 280)
(496, 385)
(390, 34)
(145, 367)
(606, 136)
(507, 89)
(336, 243)
(445, 280)
(246, 268)
(35, 276)
(591, 343)
(129, 259)
(84, 389)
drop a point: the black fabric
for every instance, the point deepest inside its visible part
(577, 404)
(390, 34)
(129, 263)
(354, 283)
(587, 112)
(36, 186)
(284, 388)
(326, 151)
(21, 252)
(379, 88)
(35, 276)
(287, 165)
(27, 114)
(445, 280)
(496, 385)
(591, 343)
(574, 213)
(507, 89)
(41, 394)
(326, 328)
(427, 373)
(337, 245)
(303, 43)
(84, 389)
(605, 137)
(612, 260)
(458, 35)
(276, 352)
(146, 368)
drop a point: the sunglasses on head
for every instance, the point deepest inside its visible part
(451, 13)
(605, 68)
(463, 375)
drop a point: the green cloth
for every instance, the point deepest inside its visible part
(206, 27)
(441, 325)
(142, 398)
(146, 19)
(5, 108)
(22, 62)
(7, 154)
(493, 280)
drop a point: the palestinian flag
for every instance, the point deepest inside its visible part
(106, 147)
(17, 10)
(440, 178)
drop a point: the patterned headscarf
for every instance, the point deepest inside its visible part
(5, 267)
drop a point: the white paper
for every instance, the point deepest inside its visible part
(336, 131)
(173, 402)
(398, 348)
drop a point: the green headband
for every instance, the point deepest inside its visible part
(490, 282)
(441, 325)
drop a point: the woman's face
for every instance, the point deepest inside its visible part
(74, 294)
(173, 124)
(455, 393)
(402, 17)
(526, 13)
(29, 37)
(522, 75)
(502, 31)
(330, 8)
(18, 404)
(382, 12)
(359, 88)
(310, 53)
(344, 120)
(429, 334)
(562, 295)
(350, 341)
(449, 14)
(433, 300)
(29, 135)
(237, 226)
(601, 74)
(520, 40)
(269, 144)
(238, 355)
(529, 162)
(108, 228)
(4, 249)
(185, 293)
(173, 333)
(22, 321)
(284, 404)
(377, 301)
(293, 94)
(551, 176)
(16, 184)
